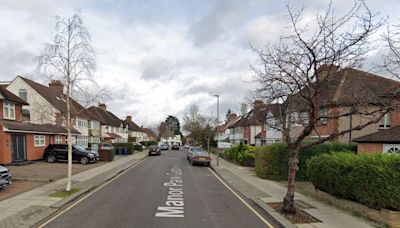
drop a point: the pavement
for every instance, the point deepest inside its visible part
(30, 207)
(262, 191)
(162, 191)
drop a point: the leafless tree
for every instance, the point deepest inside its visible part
(201, 127)
(391, 60)
(69, 58)
(295, 70)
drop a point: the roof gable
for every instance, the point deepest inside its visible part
(104, 117)
(8, 96)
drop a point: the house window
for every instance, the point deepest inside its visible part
(9, 110)
(23, 94)
(323, 121)
(58, 139)
(391, 149)
(40, 140)
(385, 121)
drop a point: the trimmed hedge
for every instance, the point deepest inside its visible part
(148, 143)
(241, 154)
(373, 180)
(271, 162)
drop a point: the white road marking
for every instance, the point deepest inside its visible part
(91, 193)
(241, 199)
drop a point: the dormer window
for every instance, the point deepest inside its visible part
(385, 121)
(9, 110)
(23, 94)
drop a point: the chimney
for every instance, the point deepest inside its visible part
(325, 70)
(57, 85)
(129, 118)
(258, 104)
(103, 106)
(232, 116)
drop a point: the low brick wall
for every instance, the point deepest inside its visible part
(391, 218)
(370, 148)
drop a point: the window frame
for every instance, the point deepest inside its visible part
(7, 108)
(39, 140)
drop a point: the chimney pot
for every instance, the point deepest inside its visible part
(129, 118)
(258, 103)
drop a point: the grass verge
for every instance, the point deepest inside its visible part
(63, 193)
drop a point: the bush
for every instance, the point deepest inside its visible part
(148, 143)
(373, 180)
(137, 147)
(241, 154)
(271, 161)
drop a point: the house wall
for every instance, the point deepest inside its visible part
(369, 148)
(254, 130)
(5, 147)
(40, 110)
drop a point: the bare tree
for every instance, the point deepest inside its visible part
(200, 127)
(71, 59)
(391, 60)
(298, 68)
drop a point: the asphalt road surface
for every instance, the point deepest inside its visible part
(162, 191)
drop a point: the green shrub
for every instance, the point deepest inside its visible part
(373, 180)
(271, 162)
(137, 147)
(148, 143)
(241, 154)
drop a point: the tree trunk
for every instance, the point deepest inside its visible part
(69, 126)
(288, 201)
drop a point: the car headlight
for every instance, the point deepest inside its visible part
(91, 155)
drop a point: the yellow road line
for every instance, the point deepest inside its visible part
(91, 193)
(242, 200)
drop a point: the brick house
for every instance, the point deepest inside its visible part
(113, 129)
(48, 106)
(21, 141)
(384, 141)
(338, 94)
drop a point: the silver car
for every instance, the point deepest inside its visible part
(5, 177)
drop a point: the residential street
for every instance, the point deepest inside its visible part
(135, 198)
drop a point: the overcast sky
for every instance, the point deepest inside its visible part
(157, 57)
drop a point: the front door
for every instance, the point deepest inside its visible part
(18, 147)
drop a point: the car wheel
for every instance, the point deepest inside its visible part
(51, 158)
(84, 160)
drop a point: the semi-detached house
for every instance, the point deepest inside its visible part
(47, 105)
(135, 132)
(113, 129)
(19, 140)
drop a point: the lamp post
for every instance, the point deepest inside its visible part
(216, 128)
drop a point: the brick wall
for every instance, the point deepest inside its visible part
(369, 148)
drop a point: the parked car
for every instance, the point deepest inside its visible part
(175, 146)
(164, 146)
(154, 149)
(105, 146)
(196, 155)
(5, 177)
(59, 152)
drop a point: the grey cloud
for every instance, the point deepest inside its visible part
(154, 68)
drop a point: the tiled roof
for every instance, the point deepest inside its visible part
(56, 99)
(112, 136)
(44, 128)
(257, 115)
(391, 135)
(104, 117)
(7, 95)
(348, 86)
(132, 126)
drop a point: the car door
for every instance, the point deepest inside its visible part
(76, 154)
(61, 152)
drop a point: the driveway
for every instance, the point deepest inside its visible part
(27, 177)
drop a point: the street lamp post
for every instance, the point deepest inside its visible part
(217, 96)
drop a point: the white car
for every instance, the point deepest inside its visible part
(5, 177)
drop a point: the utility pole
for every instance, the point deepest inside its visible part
(216, 128)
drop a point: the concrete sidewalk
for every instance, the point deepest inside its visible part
(29, 208)
(263, 191)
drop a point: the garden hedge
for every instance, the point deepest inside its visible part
(373, 180)
(241, 154)
(119, 148)
(271, 162)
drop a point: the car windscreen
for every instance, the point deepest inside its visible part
(201, 153)
(79, 148)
